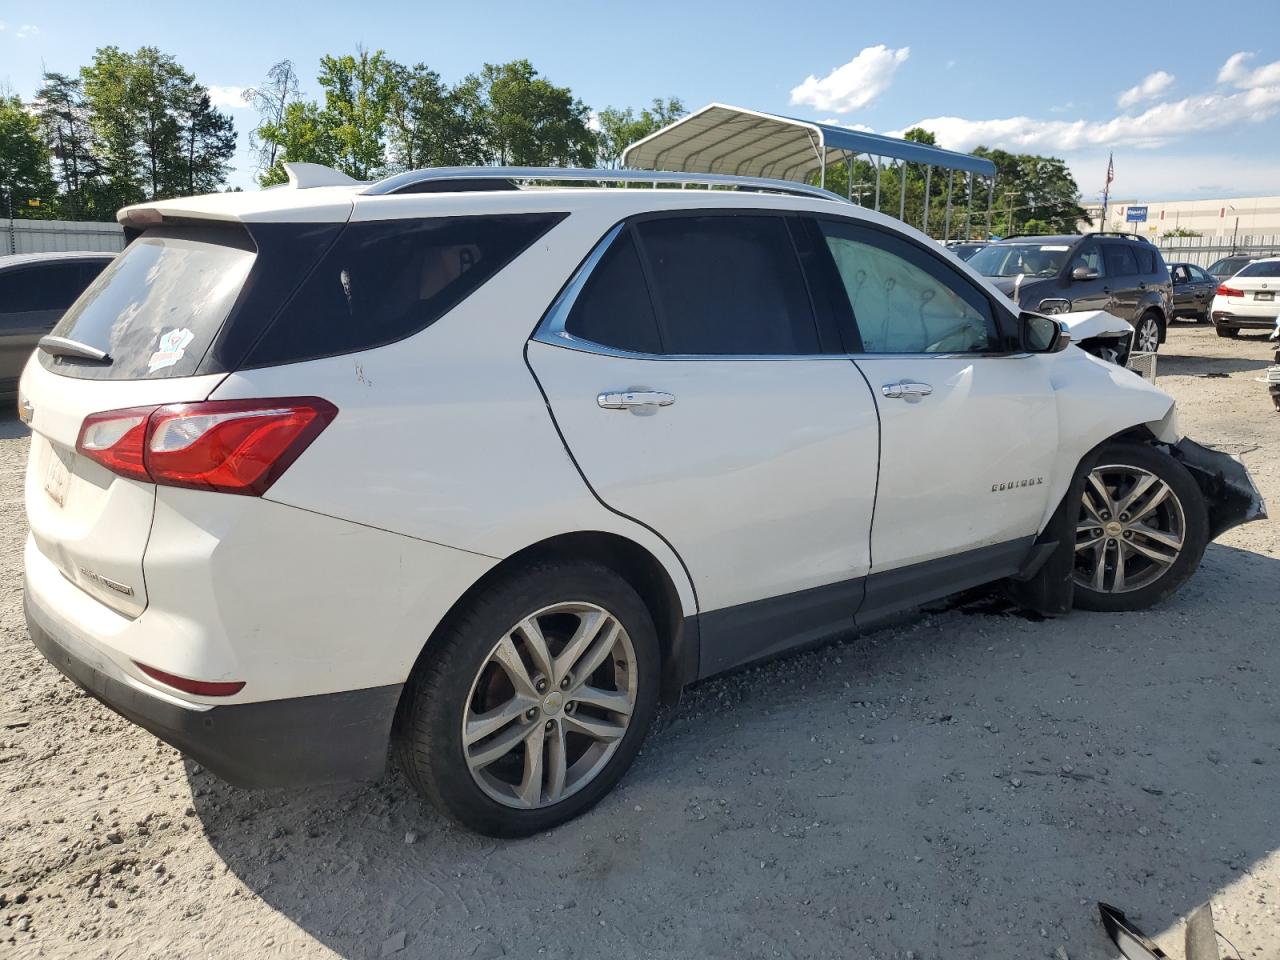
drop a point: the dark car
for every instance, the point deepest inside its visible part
(965, 249)
(1230, 266)
(1193, 290)
(1120, 273)
(35, 291)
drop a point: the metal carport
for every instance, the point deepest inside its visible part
(734, 140)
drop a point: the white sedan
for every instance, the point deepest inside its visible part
(1249, 299)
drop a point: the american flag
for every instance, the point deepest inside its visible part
(1111, 169)
(1106, 189)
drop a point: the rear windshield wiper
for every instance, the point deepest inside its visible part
(64, 347)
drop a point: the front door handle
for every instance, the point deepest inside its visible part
(907, 390)
(633, 399)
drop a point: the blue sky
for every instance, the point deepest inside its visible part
(1190, 107)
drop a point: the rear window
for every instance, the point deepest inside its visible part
(1262, 268)
(159, 305)
(614, 308)
(386, 280)
(1120, 260)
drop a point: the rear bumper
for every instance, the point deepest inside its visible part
(272, 743)
(1244, 315)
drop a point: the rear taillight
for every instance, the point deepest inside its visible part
(1225, 291)
(230, 446)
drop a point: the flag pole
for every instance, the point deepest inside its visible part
(1106, 188)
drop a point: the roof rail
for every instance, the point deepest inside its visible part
(1116, 233)
(506, 178)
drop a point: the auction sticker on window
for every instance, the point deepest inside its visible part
(172, 346)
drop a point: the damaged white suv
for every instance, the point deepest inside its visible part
(484, 471)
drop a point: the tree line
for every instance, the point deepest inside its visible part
(130, 127)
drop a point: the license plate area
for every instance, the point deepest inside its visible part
(1264, 295)
(57, 478)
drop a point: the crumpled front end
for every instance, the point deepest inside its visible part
(1229, 492)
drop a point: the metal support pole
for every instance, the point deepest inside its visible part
(822, 176)
(878, 171)
(991, 199)
(928, 179)
(968, 209)
(946, 223)
(902, 193)
(849, 158)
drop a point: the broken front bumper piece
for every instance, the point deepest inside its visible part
(1229, 492)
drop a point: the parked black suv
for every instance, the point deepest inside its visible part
(1117, 272)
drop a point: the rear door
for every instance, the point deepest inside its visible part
(1123, 278)
(154, 311)
(968, 430)
(699, 394)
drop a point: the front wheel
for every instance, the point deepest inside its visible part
(533, 701)
(1141, 532)
(1146, 338)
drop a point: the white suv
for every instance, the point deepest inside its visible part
(487, 471)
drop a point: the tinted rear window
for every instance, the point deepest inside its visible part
(728, 285)
(386, 280)
(1120, 260)
(157, 308)
(1266, 268)
(45, 286)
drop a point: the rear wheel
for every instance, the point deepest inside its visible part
(1141, 532)
(1231, 332)
(1146, 338)
(534, 701)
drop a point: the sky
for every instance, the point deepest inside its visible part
(1188, 103)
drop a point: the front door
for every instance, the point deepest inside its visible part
(968, 430)
(699, 395)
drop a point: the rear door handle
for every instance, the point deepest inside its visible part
(908, 390)
(632, 399)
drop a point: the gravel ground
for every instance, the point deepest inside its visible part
(966, 785)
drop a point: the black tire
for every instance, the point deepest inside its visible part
(1148, 319)
(1195, 534)
(428, 733)
(1229, 332)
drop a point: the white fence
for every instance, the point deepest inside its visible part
(1203, 251)
(44, 236)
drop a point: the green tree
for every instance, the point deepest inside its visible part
(619, 128)
(528, 121)
(357, 97)
(209, 141)
(64, 119)
(270, 101)
(113, 120)
(430, 124)
(26, 177)
(302, 136)
(1036, 188)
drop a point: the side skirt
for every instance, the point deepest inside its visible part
(736, 636)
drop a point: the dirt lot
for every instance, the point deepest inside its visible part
(967, 785)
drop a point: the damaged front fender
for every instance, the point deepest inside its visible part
(1229, 492)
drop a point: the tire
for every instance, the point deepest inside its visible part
(1228, 332)
(1147, 333)
(461, 676)
(1170, 506)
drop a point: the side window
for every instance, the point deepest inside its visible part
(1198, 273)
(613, 308)
(1146, 259)
(904, 299)
(1089, 257)
(728, 285)
(41, 289)
(1181, 274)
(385, 280)
(1120, 259)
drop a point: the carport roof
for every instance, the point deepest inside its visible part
(725, 139)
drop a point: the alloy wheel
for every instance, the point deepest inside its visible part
(1148, 338)
(550, 705)
(1130, 532)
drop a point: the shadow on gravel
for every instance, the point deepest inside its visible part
(1177, 365)
(10, 426)
(961, 786)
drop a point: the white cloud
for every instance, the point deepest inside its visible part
(860, 127)
(853, 85)
(1151, 87)
(1257, 100)
(1237, 74)
(26, 30)
(227, 97)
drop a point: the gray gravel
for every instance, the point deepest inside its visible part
(967, 785)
